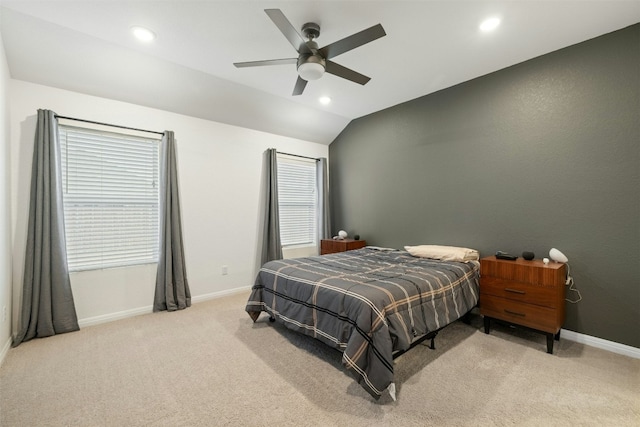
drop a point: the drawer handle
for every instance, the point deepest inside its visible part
(514, 313)
(515, 291)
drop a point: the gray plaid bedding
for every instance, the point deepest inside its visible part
(367, 303)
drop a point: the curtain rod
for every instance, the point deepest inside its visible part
(298, 155)
(107, 124)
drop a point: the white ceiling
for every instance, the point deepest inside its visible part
(86, 46)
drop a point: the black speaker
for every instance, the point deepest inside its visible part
(528, 255)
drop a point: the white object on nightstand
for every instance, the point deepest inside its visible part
(557, 256)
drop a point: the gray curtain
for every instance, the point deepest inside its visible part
(172, 289)
(47, 300)
(271, 246)
(324, 211)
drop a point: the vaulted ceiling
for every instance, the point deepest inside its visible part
(86, 46)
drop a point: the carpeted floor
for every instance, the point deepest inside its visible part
(210, 365)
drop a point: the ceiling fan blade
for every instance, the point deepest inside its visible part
(288, 30)
(266, 62)
(300, 85)
(346, 73)
(352, 42)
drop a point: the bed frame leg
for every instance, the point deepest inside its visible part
(432, 337)
(466, 318)
(272, 319)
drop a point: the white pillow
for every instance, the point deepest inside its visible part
(444, 253)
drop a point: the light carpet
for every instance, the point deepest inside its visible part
(210, 365)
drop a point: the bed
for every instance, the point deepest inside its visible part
(369, 303)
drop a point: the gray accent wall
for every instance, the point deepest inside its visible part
(542, 154)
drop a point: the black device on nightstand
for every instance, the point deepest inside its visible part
(504, 255)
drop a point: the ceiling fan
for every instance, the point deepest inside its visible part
(312, 62)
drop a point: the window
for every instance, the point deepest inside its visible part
(297, 200)
(111, 199)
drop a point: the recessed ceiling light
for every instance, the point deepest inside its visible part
(489, 24)
(324, 100)
(143, 34)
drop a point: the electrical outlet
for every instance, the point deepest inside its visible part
(225, 270)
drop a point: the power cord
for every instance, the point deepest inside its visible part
(571, 285)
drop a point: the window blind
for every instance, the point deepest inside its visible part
(111, 198)
(297, 200)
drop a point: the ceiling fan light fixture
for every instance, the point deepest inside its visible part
(311, 67)
(311, 71)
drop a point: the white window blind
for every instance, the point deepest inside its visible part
(111, 198)
(297, 200)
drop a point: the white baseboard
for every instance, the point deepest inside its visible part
(96, 320)
(611, 346)
(219, 294)
(5, 350)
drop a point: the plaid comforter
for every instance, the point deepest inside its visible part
(367, 303)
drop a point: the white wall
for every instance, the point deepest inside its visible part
(5, 211)
(220, 176)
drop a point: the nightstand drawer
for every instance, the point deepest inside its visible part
(545, 296)
(533, 316)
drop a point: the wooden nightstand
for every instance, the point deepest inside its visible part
(330, 246)
(521, 292)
